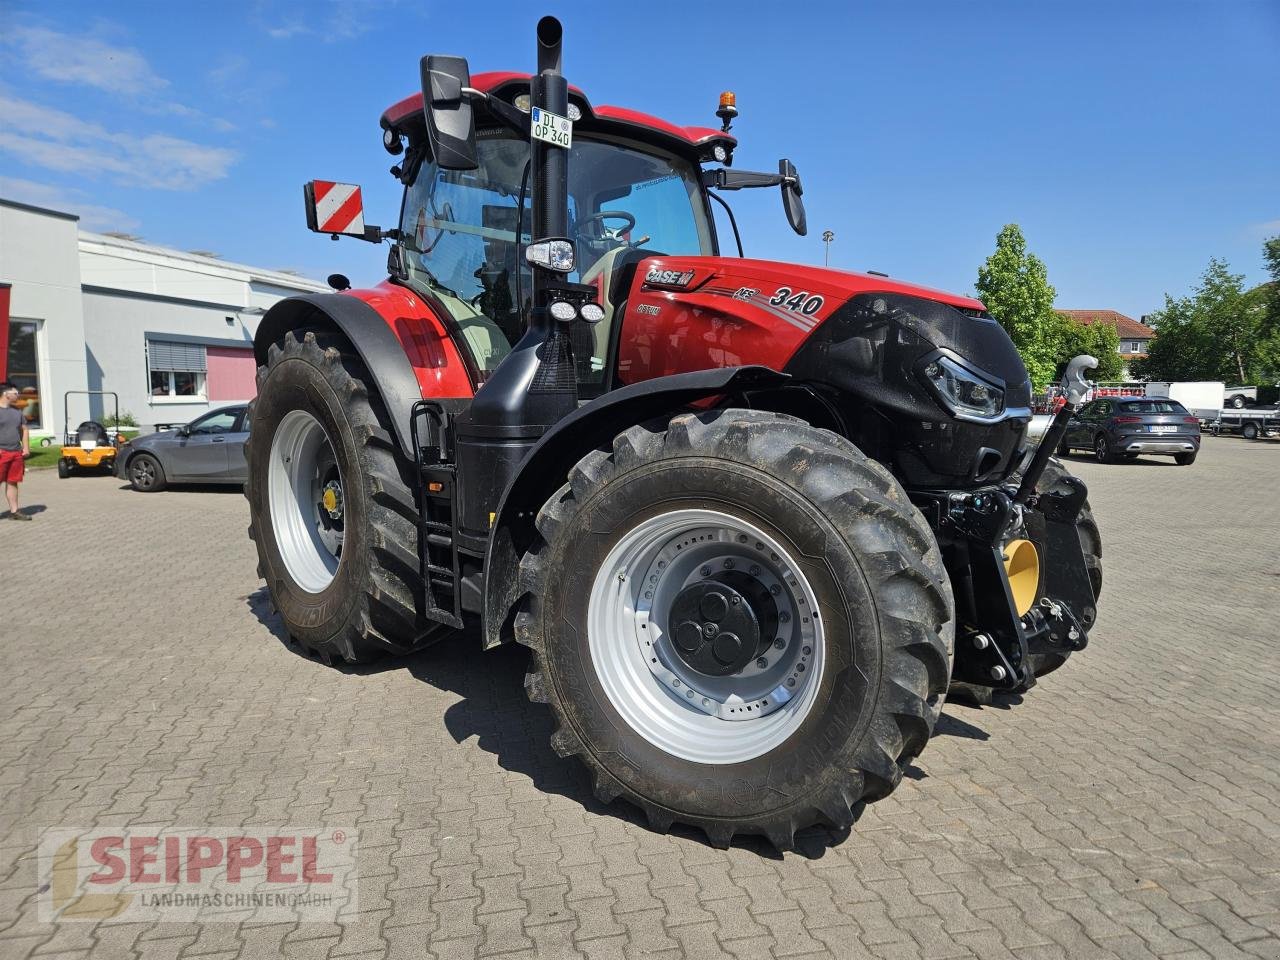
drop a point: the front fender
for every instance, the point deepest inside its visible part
(547, 465)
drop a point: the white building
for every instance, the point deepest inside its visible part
(170, 332)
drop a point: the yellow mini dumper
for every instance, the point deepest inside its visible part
(91, 447)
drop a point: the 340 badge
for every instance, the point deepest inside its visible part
(800, 301)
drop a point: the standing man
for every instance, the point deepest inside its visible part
(15, 447)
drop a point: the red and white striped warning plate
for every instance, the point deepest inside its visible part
(339, 208)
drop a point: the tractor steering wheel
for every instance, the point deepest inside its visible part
(602, 216)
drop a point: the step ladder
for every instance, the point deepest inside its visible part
(437, 508)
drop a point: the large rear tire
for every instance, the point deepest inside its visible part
(823, 707)
(331, 507)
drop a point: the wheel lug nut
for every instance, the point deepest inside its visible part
(755, 570)
(705, 571)
(779, 643)
(775, 589)
(735, 601)
(762, 663)
(742, 538)
(784, 617)
(729, 564)
(807, 651)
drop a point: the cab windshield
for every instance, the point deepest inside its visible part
(458, 230)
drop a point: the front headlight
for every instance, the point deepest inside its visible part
(963, 392)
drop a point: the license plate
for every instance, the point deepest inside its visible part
(1162, 428)
(551, 128)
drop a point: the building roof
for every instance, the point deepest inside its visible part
(204, 263)
(1127, 327)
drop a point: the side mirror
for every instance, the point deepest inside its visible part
(792, 191)
(451, 130)
(335, 208)
(184, 431)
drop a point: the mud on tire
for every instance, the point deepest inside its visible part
(371, 607)
(875, 570)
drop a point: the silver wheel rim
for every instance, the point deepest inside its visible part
(304, 490)
(701, 718)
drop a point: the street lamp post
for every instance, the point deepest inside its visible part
(827, 237)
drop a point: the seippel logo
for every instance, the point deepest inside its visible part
(188, 875)
(69, 900)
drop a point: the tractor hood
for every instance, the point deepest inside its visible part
(934, 368)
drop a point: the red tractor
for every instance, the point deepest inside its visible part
(751, 518)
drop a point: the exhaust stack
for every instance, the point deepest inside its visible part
(535, 385)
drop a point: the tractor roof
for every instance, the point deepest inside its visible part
(697, 141)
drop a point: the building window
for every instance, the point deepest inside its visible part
(177, 371)
(1134, 347)
(24, 370)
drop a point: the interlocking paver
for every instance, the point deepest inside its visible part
(1128, 806)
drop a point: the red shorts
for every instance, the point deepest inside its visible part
(12, 466)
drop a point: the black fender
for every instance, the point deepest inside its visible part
(546, 467)
(370, 336)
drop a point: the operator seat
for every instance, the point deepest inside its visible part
(91, 432)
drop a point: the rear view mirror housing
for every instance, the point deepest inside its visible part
(451, 130)
(792, 191)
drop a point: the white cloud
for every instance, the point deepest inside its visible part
(92, 216)
(332, 21)
(56, 140)
(92, 62)
(86, 60)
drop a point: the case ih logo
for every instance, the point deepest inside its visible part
(668, 278)
(197, 875)
(339, 208)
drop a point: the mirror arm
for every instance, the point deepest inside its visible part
(511, 118)
(372, 234)
(721, 179)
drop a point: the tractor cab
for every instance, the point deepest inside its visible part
(635, 190)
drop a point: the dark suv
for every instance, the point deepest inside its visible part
(1117, 428)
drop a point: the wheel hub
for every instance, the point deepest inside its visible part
(331, 500)
(720, 625)
(678, 657)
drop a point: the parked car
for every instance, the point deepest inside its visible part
(209, 449)
(1117, 428)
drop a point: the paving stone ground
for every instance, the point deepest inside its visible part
(1128, 806)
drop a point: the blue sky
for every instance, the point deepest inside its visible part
(1131, 140)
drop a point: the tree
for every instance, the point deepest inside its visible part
(1271, 256)
(1099, 340)
(1218, 333)
(1014, 285)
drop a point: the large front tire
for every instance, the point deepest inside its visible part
(331, 507)
(824, 538)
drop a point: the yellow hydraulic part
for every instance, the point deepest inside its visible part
(1022, 568)
(330, 500)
